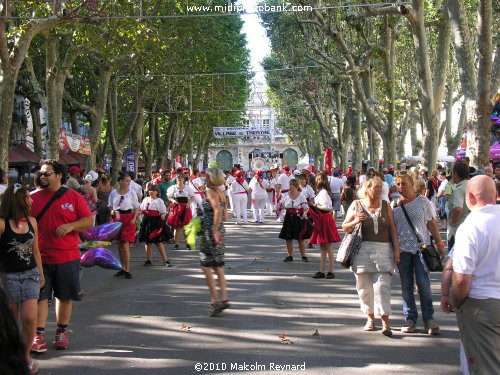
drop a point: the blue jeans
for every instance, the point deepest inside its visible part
(410, 269)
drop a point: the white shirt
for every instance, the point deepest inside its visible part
(154, 205)
(174, 192)
(258, 188)
(335, 184)
(324, 200)
(134, 186)
(442, 186)
(284, 181)
(307, 192)
(477, 251)
(299, 202)
(129, 201)
(272, 184)
(362, 179)
(238, 188)
(2, 188)
(196, 183)
(385, 192)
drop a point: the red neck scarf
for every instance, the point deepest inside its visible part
(288, 173)
(240, 180)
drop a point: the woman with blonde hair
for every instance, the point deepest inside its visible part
(415, 220)
(325, 229)
(212, 239)
(374, 263)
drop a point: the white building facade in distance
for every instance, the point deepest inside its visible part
(259, 144)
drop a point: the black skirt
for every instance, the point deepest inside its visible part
(295, 228)
(154, 230)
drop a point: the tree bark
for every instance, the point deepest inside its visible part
(476, 85)
(429, 99)
(37, 136)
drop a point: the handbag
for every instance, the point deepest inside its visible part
(349, 247)
(429, 253)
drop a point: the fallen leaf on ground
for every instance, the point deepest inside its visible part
(137, 316)
(284, 339)
(315, 333)
(185, 328)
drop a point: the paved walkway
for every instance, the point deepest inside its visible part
(136, 326)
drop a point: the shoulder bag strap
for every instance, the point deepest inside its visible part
(59, 193)
(409, 221)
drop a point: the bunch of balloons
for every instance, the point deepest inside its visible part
(95, 239)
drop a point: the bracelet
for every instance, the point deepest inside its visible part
(440, 244)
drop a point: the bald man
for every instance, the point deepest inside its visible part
(475, 292)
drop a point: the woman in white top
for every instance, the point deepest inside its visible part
(90, 195)
(258, 186)
(181, 195)
(295, 222)
(239, 191)
(153, 227)
(305, 189)
(325, 229)
(125, 209)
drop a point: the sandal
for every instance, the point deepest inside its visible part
(387, 331)
(225, 304)
(369, 326)
(215, 308)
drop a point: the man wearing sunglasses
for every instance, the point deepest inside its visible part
(59, 222)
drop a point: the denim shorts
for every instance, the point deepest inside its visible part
(22, 286)
(62, 281)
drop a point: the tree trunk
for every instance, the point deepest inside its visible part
(389, 135)
(430, 100)
(476, 91)
(138, 138)
(8, 88)
(37, 136)
(357, 145)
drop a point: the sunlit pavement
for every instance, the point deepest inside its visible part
(158, 323)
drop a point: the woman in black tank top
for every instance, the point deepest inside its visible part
(20, 262)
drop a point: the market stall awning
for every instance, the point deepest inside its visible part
(21, 155)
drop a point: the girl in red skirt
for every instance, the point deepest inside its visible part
(325, 230)
(180, 195)
(124, 206)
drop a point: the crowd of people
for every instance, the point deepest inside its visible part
(398, 211)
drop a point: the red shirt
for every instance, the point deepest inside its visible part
(67, 209)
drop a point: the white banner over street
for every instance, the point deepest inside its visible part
(237, 132)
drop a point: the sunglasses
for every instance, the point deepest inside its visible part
(46, 174)
(402, 173)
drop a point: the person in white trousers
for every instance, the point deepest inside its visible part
(198, 185)
(271, 193)
(282, 188)
(239, 191)
(229, 180)
(258, 186)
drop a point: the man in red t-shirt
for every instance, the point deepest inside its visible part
(58, 241)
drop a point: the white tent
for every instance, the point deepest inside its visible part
(304, 162)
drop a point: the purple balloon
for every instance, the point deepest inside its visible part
(102, 257)
(104, 232)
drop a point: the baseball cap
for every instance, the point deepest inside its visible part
(75, 169)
